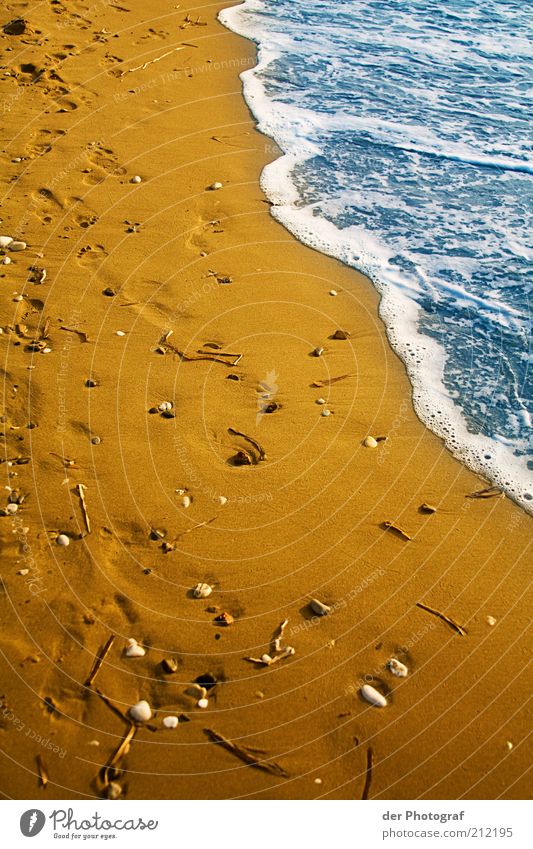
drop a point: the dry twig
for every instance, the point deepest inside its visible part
(460, 630)
(102, 654)
(81, 492)
(249, 756)
(390, 526)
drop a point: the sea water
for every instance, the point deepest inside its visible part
(407, 154)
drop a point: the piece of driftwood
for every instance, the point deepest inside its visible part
(256, 445)
(108, 773)
(489, 492)
(83, 336)
(151, 61)
(368, 773)
(390, 526)
(101, 656)
(455, 627)
(253, 757)
(81, 492)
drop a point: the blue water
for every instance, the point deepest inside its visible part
(404, 126)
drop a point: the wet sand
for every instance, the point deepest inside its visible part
(93, 96)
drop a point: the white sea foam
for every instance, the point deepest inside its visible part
(289, 125)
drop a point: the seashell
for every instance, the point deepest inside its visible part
(370, 442)
(319, 608)
(63, 539)
(397, 668)
(6, 260)
(5, 241)
(333, 292)
(317, 352)
(202, 591)
(136, 179)
(222, 500)
(203, 703)
(320, 401)
(18, 246)
(373, 696)
(12, 508)
(141, 712)
(215, 186)
(165, 406)
(134, 649)
(325, 413)
(186, 501)
(171, 721)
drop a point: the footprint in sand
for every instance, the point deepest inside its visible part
(42, 142)
(103, 163)
(91, 256)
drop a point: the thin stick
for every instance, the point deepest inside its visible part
(83, 336)
(194, 527)
(368, 777)
(276, 642)
(151, 61)
(390, 526)
(102, 654)
(460, 630)
(212, 358)
(489, 492)
(110, 705)
(116, 757)
(246, 754)
(81, 491)
(43, 772)
(257, 446)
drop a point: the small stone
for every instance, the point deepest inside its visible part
(134, 649)
(202, 591)
(491, 620)
(340, 334)
(141, 712)
(319, 607)
(325, 413)
(203, 703)
(170, 666)
(333, 293)
(370, 442)
(171, 721)
(90, 383)
(317, 352)
(63, 539)
(233, 377)
(373, 696)
(397, 668)
(5, 242)
(318, 781)
(164, 406)
(23, 571)
(169, 414)
(12, 508)
(15, 27)
(6, 260)
(46, 351)
(157, 534)
(214, 187)
(109, 292)
(509, 745)
(120, 333)
(222, 500)
(96, 440)
(224, 618)
(136, 179)
(320, 401)
(18, 246)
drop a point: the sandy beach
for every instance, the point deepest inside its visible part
(162, 411)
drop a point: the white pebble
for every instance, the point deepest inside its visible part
(5, 241)
(136, 179)
(23, 571)
(134, 649)
(333, 292)
(319, 607)
(165, 406)
(6, 260)
(509, 745)
(171, 721)
(320, 401)
(370, 694)
(141, 712)
(12, 508)
(63, 539)
(266, 658)
(203, 703)
(18, 246)
(202, 591)
(46, 351)
(491, 620)
(186, 501)
(214, 186)
(397, 668)
(222, 500)
(325, 413)
(120, 333)
(370, 442)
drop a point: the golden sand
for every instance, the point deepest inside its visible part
(95, 94)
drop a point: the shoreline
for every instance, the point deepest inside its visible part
(162, 247)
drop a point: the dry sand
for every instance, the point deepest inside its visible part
(83, 113)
